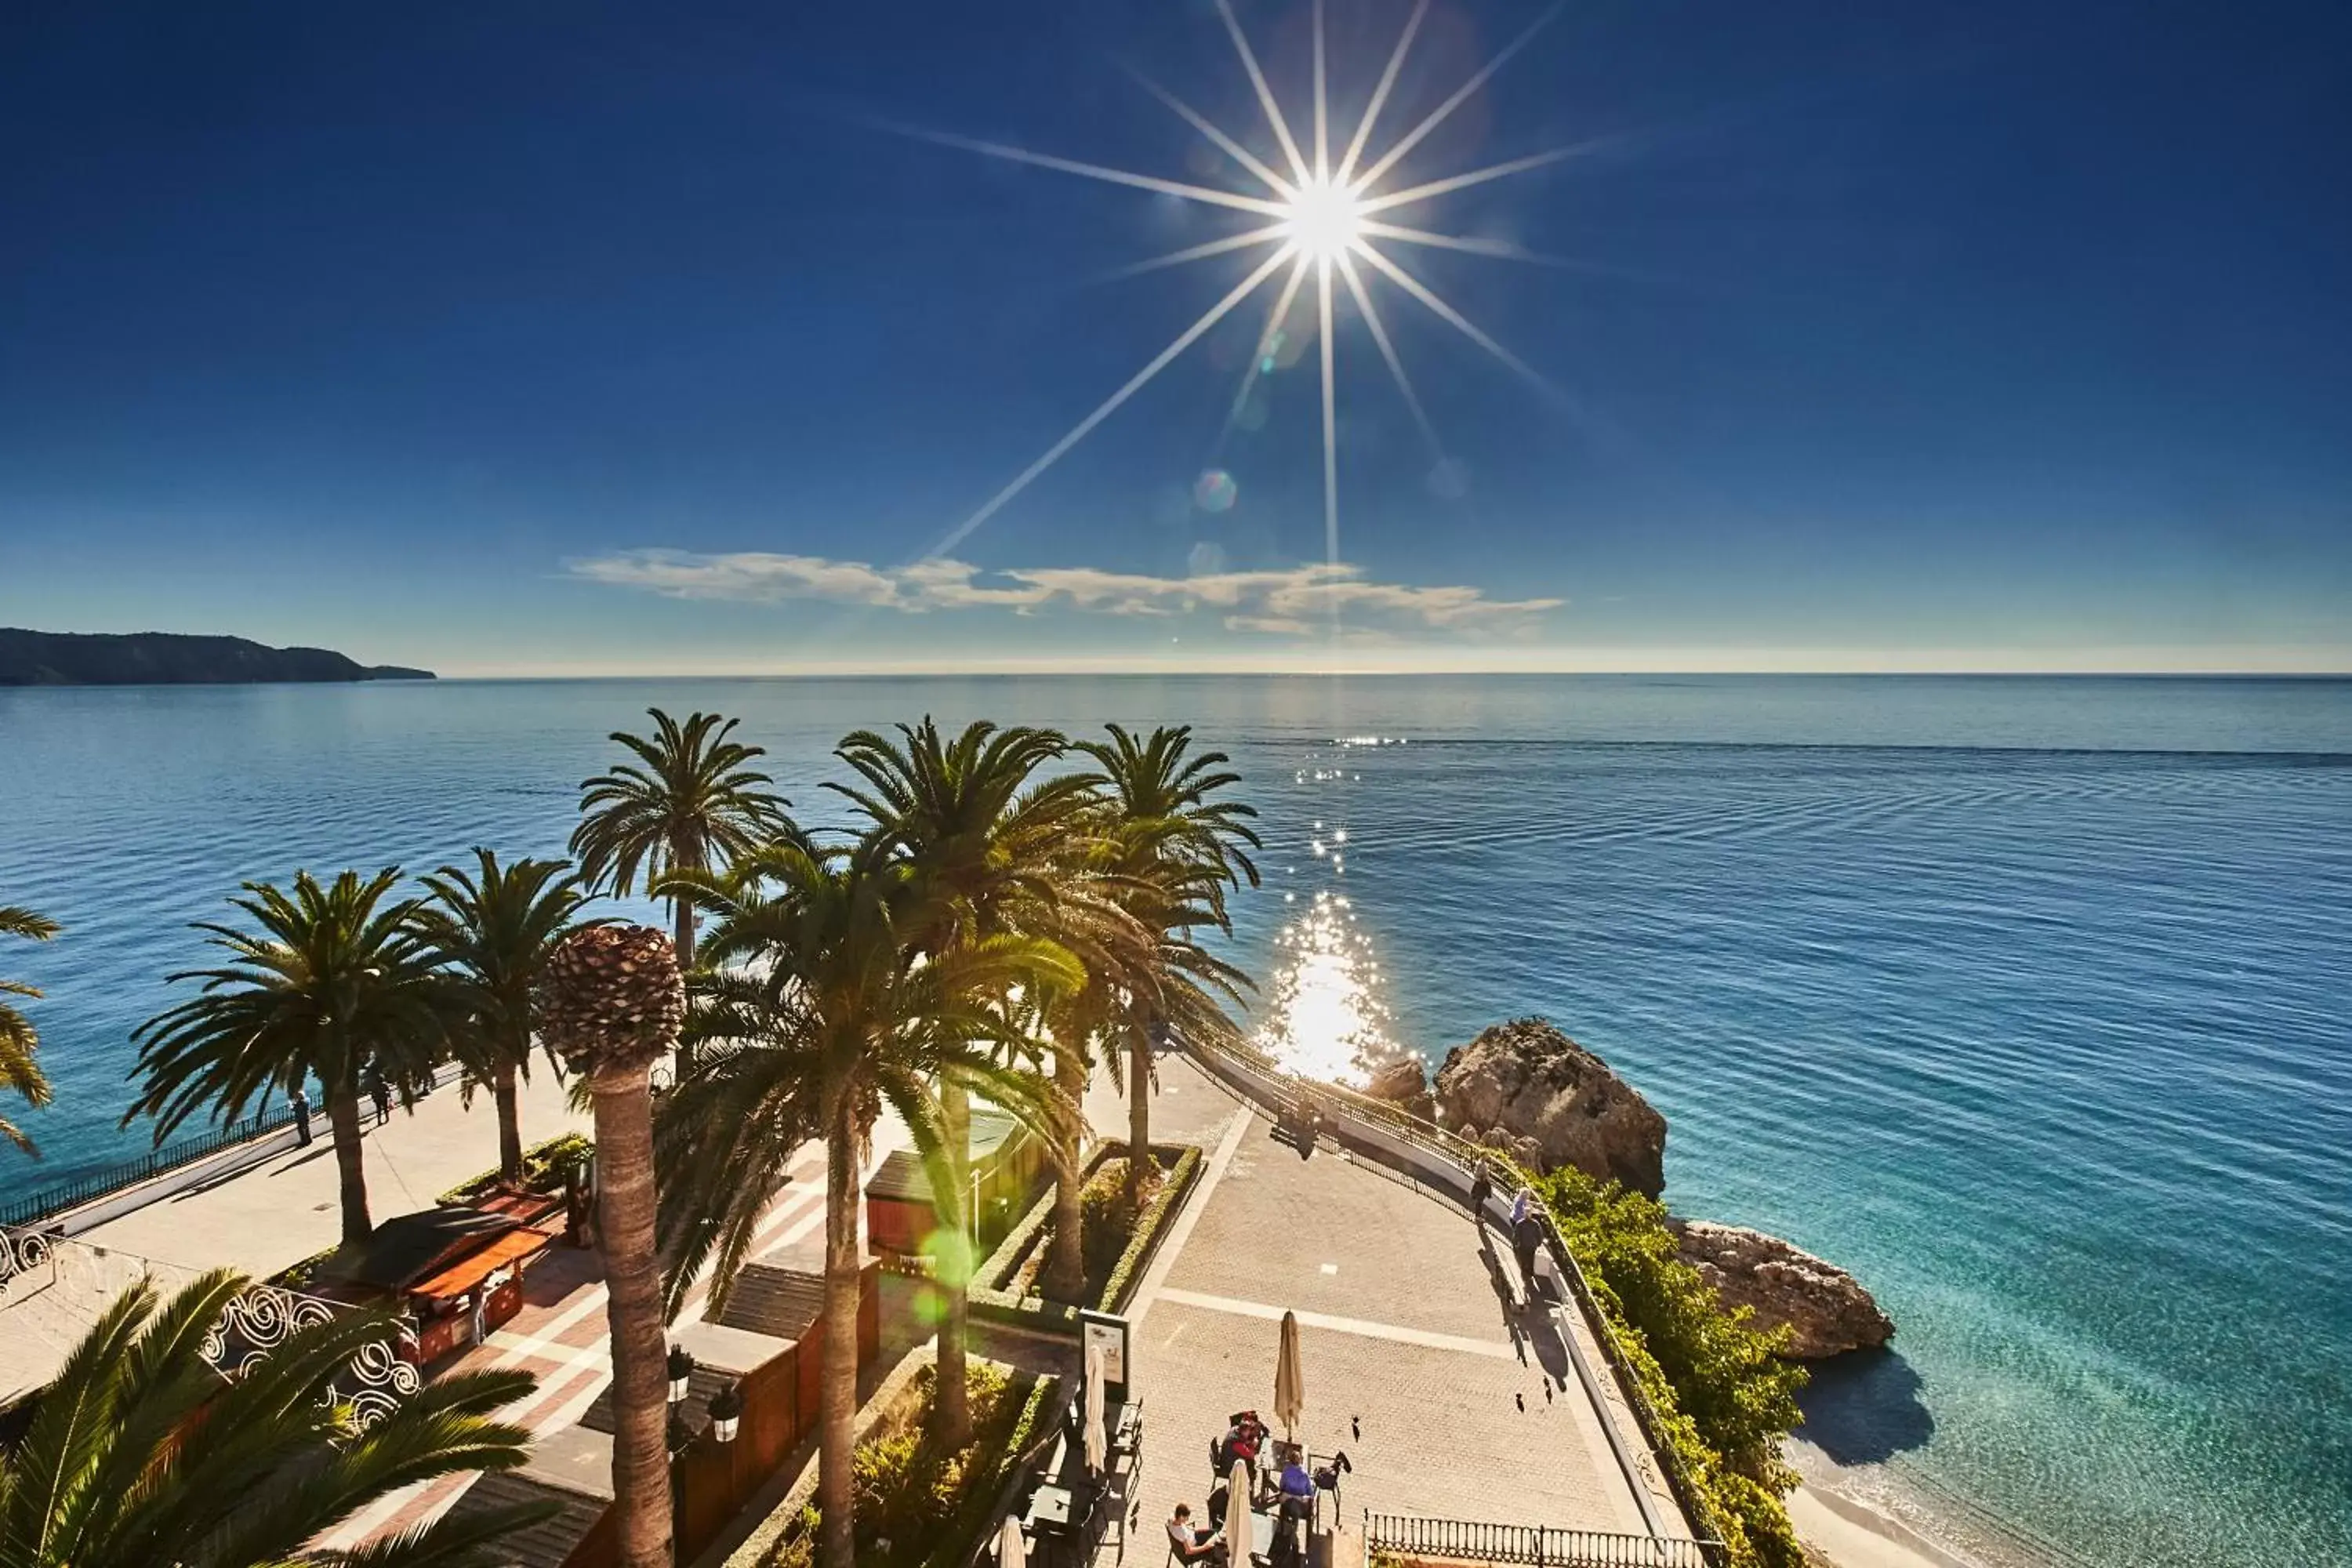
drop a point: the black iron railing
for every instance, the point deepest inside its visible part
(45, 1206)
(1473, 1540)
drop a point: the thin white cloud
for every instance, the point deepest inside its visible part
(1285, 601)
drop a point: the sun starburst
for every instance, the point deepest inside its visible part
(1321, 219)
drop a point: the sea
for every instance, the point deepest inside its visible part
(2029, 1001)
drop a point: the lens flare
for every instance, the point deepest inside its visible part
(1317, 219)
(1324, 220)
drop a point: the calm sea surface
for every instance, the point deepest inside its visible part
(2026, 1000)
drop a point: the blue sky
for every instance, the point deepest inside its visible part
(569, 339)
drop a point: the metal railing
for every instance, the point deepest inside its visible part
(1470, 1541)
(1400, 1123)
(43, 1205)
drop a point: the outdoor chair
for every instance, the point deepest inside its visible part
(1328, 1471)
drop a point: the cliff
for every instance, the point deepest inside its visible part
(168, 658)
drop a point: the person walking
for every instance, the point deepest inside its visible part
(1482, 1191)
(1527, 1238)
(302, 1103)
(381, 1092)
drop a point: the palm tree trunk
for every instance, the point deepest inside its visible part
(682, 938)
(633, 1309)
(1066, 1265)
(1139, 1112)
(682, 924)
(952, 1401)
(837, 1382)
(343, 1119)
(509, 1103)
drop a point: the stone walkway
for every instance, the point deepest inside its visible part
(259, 1218)
(1449, 1403)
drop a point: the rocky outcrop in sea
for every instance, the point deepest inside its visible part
(1528, 1089)
(1532, 1085)
(1825, 1310)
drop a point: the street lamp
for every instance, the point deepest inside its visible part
(681, 1372)
(726, 1412)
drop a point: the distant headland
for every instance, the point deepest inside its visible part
(169, 658)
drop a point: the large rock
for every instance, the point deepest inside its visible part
(1525, 1080)
(1402, 1083)
(1825, 1310)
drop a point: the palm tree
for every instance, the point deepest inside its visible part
(694, 804)
(1140, 965)
(107, 1477)
(610, 999)
(1179, 845)
(994, 853)
(336, 981)
(494, 928)
(812, 1012)
(18, 1039)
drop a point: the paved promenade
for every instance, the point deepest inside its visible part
(258, 1218)
(1449, 1403)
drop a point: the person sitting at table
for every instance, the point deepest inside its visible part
(1296, 1482)
(1190, 1545)
(1242, 1441)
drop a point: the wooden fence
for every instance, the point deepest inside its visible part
(711, 1482)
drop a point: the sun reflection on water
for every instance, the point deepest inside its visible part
(1324, 1019)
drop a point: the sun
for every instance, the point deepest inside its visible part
(1324, 221)
(1326, 227)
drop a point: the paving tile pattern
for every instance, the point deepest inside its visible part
(1436, 1388)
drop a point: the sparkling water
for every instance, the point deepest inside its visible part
(2025, 1000)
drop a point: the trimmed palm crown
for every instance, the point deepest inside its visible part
(612, 998)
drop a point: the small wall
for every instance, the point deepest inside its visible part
(714, 1481)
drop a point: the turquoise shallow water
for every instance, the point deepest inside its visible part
(2026, 1000)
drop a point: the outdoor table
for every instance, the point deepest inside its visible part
(1049, 1515)
(1261, 1535)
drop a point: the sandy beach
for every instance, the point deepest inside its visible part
(1853, 1535)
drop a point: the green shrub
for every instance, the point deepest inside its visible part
(1724, 1396)
(916, 1503)
(1113, 1245)
(543, 1164)
(1106, 1216)
(1115, 1288)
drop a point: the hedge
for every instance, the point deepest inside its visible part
(1723, 1397)
(992, 1303)
(543, 1164)
(961, 1490)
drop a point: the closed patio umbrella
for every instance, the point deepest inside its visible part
(1012, 1550)
(1289, 1380)
(1238, 1508)
(1094, 1431)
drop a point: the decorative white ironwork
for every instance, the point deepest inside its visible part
(254, 1324)
(257, 1323)
(376, 1381)
(21, 1252)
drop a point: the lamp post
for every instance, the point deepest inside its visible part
(680, 1437)
(727, 1412)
